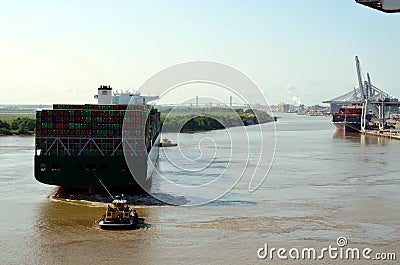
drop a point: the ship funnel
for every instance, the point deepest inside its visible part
(104, 95)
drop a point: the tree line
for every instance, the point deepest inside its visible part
(183, 121)
(187, 122)
(19, 126)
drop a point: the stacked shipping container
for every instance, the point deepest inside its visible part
(94, 129)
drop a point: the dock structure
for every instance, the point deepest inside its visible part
(391, 134)
(373, 100)
(387, 6)
(365, 91)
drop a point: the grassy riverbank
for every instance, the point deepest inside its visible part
(185, 120)
(17, 124)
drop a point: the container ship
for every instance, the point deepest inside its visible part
(96, 146)
(348, 118)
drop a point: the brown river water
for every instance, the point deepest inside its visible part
(322, 185)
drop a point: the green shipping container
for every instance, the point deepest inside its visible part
(87, 113)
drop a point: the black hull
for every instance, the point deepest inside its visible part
(348, 127)
(119, 226)
(87, 171)
(168, 145)
(95, 172)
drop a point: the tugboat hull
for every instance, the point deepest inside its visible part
(118, 225)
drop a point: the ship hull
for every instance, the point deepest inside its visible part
(119, 226)
(97, 146)
(95, 172)
(348, 119)
(347, 126)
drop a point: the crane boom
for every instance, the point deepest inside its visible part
(360, 83)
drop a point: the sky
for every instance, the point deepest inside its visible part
(294, 51)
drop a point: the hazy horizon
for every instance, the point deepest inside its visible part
(62, 51)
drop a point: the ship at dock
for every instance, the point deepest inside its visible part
(86, 146)
(348, 118)
(365, 108)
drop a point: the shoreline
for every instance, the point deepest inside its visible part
(18, 134)
(216, 129)
(384, 134)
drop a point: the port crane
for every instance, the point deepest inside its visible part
(373, 100)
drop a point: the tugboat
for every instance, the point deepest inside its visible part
(166, 143)
(119, 215)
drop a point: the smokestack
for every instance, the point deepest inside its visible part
(104, 95)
